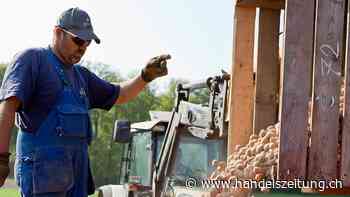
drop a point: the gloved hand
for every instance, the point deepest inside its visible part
(4, 167)
(155, 68)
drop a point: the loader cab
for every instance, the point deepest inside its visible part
(140, 153)
(192, 155)
(141, 149)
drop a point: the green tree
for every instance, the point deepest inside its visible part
(106, 155)
(167, 99)
(2, 71)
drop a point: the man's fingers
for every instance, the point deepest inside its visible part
(160, 58)
(163, 64)
(165, 57)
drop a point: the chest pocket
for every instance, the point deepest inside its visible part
(73, 121)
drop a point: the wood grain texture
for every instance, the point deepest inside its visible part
(267, 73)
(296, 88)
(345, 154)
(329, 36)
(242, 88)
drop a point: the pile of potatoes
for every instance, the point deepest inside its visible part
(256, 160)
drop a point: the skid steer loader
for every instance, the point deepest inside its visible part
(163, 154)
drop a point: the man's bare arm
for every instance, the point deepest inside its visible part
(130, 89)
(7, 118)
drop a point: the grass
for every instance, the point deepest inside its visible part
(9, 193)
(11, 189)
(15, 193)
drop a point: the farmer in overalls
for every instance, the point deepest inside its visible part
(51, 96)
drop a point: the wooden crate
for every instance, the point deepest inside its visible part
(304, 84)
(253, 95)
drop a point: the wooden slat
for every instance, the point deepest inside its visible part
(271, 4)
(295, 94)
(267, 73)
(345, 155)
(242, 88)
(327, 76)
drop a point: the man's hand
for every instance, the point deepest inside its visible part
(155, 68)
(4, 167)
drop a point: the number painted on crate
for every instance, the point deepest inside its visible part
(333, 52)
(326, 100)
(326, 66)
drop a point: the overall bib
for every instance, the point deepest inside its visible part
(53, 161)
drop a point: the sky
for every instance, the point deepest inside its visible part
(197, 34)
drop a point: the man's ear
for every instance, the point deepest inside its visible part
(57, 32)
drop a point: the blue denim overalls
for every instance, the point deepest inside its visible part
(53, 161)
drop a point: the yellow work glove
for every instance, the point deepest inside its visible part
(156, 67)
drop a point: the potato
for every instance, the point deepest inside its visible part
(270, 162)
(243, 157)
(240, 166)
(259, 176)
(259, 148)
(272, 145)
(253, 137)
(262, 133)
(254, 160)
(220, 168)
(257, 170)
(257, 163)
(271, 127)
(265, 139)
(238, 147)
(249, 153)
(252, 143)
(274, 140)
(214, 163)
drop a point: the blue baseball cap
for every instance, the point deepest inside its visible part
(78, 23)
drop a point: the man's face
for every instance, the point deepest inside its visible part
(71, 48)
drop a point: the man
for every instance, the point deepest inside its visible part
(50, 97)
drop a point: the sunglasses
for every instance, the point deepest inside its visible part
(78, 41)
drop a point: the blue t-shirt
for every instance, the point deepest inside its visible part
(32, 78)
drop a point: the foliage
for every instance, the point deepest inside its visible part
(2, 71)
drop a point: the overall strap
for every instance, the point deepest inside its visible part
(83, 89)
(58, 67)
(59, 70)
